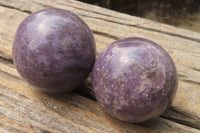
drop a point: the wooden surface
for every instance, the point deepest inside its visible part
(26, 110)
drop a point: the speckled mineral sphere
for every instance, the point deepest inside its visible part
(54, 50)
(134, 79)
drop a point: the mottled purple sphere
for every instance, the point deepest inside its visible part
(134, 79)
(54, 50)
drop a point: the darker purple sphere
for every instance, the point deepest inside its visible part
(54, 50)
(134, 79)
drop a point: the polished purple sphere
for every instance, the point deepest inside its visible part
(54, 50)
(134, 79)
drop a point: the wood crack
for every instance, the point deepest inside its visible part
(149, 29)
(105, 34)
(181, 75)
(6, 59)
(179, 112)
(182, 122)
(3, 72)
(190, 81)
(92, 11)
(169, 33)
(11, 7)
(196, 69)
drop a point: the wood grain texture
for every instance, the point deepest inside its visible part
(107, 26)
(24, 109)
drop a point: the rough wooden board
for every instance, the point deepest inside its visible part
(105, 14)
(106, 27)
(184, 52)
(23, 109)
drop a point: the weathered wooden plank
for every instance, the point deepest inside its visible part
(183, 58)
(184, 52)
(107, 26)
(23, 109)
(106, 14)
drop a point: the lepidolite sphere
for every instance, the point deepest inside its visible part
(54, 50)
(134, 79)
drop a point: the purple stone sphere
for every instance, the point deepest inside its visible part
(134, 79)
(54, 50)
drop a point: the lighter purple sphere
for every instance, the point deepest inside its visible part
(134, 79)
(54, 50)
